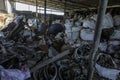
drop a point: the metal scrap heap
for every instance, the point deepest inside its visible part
(26, 54)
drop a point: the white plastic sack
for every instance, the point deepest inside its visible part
(1, 34)
(69, 34)
(89, 23)
(116, 20)
(14, 74)
(73, 34)
(115, 35)
(77, 23)
(115, 43)
(103, 46)
(107, 22)
(106, 72)
(87, 34)
(68, 24)
(94, 17)
(30, 22)
(57, 21)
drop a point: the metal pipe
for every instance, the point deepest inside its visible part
(98, 30)
(37, 13)
(51, 60)
(44, 11)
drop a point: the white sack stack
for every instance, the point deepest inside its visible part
(116, 19)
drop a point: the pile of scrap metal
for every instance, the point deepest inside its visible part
(24, 50)
(80, 33)
(59, 54)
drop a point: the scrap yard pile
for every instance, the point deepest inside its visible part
(63, 53)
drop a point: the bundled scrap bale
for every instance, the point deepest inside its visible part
(72, 31)
(87, 34)
(108, 69)
(112, 74)
(88, 27)
(108, 29)
(90, 23)
(68, 24)
(107, 22)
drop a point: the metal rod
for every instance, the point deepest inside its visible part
(44, 11)
(98, 30)
(51, 60)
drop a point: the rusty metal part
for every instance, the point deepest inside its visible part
(46, 62)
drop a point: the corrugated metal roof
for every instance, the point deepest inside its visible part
(71, 4)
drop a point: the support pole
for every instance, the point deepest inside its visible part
(98, 30)
(44, 11)
(37, 13)
(65, 10)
